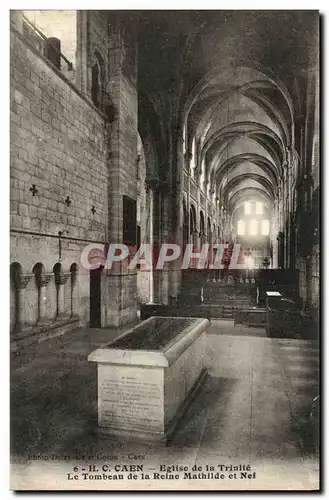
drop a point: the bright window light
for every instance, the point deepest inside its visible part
(250, 262)
(259, 208)
(247, 208)
(241, 227)
(253, 228)
(265, 227)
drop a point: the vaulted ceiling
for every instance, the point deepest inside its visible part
(242, 122)
(238, 81)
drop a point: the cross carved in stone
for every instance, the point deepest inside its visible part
(34, 190)
(68, 201)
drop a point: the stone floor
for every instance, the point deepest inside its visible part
(253, 409)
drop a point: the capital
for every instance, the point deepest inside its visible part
(24, 280)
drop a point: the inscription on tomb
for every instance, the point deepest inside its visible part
(128, 402)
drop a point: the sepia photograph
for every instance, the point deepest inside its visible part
(164, 250)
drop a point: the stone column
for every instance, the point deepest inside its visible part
(151, 291)
(179, 227)
(74, 294)
(157, 237)
(60, 281)
(21, 323)
(42, 285)
(82, 48)
(187, 157)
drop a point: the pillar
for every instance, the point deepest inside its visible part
(61, 279)
(151, 291)
(74, 293)
(43, 281)
(179, 226)
(24, 280)
(160, 281)
(82, 54)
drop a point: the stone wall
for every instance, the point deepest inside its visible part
(58, 144)
(67, 161)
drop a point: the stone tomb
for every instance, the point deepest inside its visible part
(147, 377)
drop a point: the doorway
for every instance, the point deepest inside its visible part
(95, 297)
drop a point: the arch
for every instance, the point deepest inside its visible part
(74, 290)
(263, 163)
(98, 78)
(38, 271)
(219, 160)
(243, 194)
(258, 178)
(193, 222)
(232, 62)
(202, 223)
(57, 269)
(250, 91)
(244, 128)
(251, 199)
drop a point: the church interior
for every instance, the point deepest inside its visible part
(161, 127)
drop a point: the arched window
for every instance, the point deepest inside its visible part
(259, 208)
(253, 227)
(265, 227)
(192, 220)
(247, 208)
(96, 85)
(241, 228)
(97, 80)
